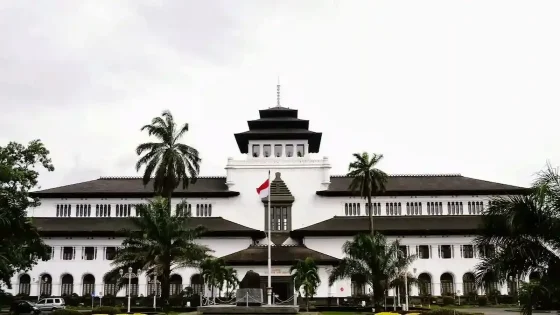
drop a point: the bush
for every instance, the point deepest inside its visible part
(448, 300)
(447, 311)
(482, 300)
(66, 312)
(104, 310)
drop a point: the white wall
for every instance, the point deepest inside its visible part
(57, 267)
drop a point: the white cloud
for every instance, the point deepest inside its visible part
(437, 86)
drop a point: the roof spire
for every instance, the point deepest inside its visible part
(278, 93)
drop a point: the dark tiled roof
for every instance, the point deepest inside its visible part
(215, 226)
(133, 187)
(395, 225)
(280, 255)
(278, 123)
(426, 185)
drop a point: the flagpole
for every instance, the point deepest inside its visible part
(269, 288)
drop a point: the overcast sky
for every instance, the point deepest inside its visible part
(470, 87)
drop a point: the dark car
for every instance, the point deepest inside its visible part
(24, 308)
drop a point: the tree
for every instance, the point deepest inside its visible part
(305, 274)
(526, 231)
(367, 179)
(161, 243)
(530, 294)
(230, 280)
(172, 162)
(213, 273)
(375, 260)
(22, 245)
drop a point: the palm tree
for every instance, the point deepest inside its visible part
(526, 230)
(213, 273)
(305, 273)
(367, 179)
(230, 280)
(162, 243)
(375, 260)
(530, 294)
(172, 162)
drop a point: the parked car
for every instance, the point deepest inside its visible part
(51, 304)
(24, 308)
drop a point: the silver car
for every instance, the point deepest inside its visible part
(51, 304)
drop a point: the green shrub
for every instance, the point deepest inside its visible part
(106, 310)
(66, 312)
(482, 300)
(448, 300)
(447, 311)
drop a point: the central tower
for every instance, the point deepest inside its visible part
(278, 133)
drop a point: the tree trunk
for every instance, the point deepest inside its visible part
(165, 287)
(307, 303)
(370, 214)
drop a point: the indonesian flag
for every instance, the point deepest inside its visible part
(264, 189)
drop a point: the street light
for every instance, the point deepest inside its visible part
(155, 282)
(405, 308)
(130, 275)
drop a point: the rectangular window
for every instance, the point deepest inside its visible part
(300, 150)
(487, 251)
(277, 150)
(51, 252)
(110, 253)
(289, 150)
(446, 251)
(68, 253)
(279, 219)
(467, 251)
(256, 150)
(404, 250)
(89, 253)
(424, 252)
(266, 150)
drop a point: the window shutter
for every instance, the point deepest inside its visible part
(73, 253)
(95, 253)
(61, 252)
(452, 251)
(439, 251)
(461, 248)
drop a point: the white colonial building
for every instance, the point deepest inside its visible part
(313, 214)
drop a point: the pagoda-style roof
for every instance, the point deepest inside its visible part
(278, 123)
(394, 225)
(280, 255)
(426, 185)
(130, 187)
(215, 226)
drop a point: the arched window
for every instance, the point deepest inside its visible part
(357, 285)
(512, 284)
(24, 284)
(45, 288)
(425, 284)
(88, 285)
(175, 284)
(469, 285)
(133, 287)
(197, 284)
(67, 285)
(447, 285)
(110, 286)
(153, 288)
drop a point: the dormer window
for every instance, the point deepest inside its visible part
(300, 150)
(277, 150)
(256, 150)
(289, 150)
(267, 150)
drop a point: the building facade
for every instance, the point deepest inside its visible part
(313, 213)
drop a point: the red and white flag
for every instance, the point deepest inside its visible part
(264, 189)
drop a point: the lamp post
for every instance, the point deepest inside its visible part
(130, 275)
(155, 282)
(459, 296)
